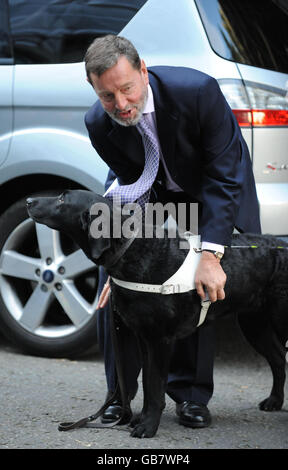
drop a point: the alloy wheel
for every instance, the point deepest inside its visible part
(47, 283)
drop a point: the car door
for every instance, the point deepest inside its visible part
(266, 82)
(6, 81)
(254, 36)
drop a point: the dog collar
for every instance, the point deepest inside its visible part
(182, 281)
(121, 251)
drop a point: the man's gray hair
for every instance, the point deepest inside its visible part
(104, 53)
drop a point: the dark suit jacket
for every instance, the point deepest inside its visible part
(201, 143)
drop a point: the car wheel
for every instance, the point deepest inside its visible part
(48, 288)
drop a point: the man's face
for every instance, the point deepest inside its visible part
(122, 91)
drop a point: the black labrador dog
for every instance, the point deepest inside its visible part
(256, 288)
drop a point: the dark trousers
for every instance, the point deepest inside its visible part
(191, 368)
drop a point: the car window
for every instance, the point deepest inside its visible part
(5, 40)
(59, 31)
(248, 32)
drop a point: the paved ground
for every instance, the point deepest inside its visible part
(38, 393)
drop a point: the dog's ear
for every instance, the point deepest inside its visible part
(98, 246)
(99, 223)
(85, 220)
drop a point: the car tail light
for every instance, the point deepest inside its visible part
(268, 117)
(243, 116)
(256, 105)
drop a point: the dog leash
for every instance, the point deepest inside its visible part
(87, 421)
(256, 246)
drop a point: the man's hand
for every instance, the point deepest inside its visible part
(104, 296)
(210, 275)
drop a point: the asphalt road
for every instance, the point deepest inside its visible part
(38, 393)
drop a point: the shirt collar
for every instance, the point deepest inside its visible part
(149, 107)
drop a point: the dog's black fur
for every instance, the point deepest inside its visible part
(256, 288)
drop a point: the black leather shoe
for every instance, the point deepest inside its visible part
(193, 415)
(113, 412)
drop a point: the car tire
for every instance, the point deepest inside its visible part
(48, 288)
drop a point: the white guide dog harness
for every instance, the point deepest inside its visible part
(182, 281)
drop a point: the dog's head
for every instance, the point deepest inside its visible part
(71, 213)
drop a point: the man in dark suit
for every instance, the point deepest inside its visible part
(203, 159)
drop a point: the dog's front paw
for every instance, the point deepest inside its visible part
(145, 428)
(271, 403)
(135, 420)
(142, 430)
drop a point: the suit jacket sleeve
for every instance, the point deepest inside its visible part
(222, 171)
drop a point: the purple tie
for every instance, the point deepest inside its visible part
(140, 190)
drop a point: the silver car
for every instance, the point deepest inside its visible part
(47, 286)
